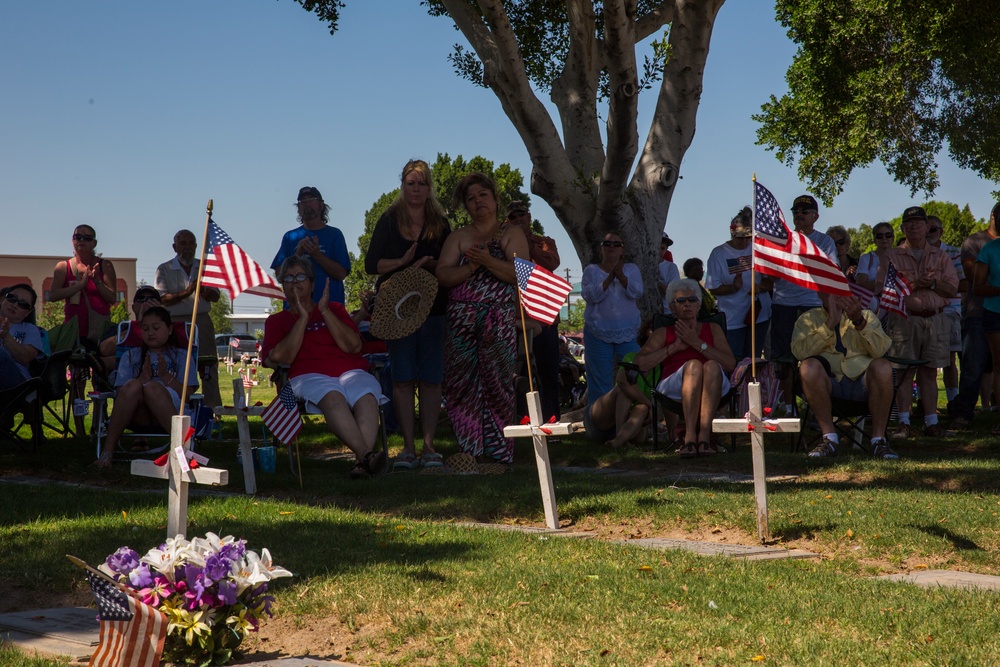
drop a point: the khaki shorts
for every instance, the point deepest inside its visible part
(926, 338)
(955, 336)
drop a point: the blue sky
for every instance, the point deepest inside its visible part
(130, 116)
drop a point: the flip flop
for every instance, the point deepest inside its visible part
(433, 460)
(405, 461)
(707, 449)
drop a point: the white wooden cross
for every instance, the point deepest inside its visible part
(534, 430)
(180, 475)
(242, 412)
(757, 427)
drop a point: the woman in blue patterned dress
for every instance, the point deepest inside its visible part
(477, 264)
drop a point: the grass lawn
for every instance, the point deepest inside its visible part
(387, 574)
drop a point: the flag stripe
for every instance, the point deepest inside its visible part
(228, 267)
(282, 415)
(132, 634)
(543, 293)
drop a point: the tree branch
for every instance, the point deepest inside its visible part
(653, 20)
(623, 79)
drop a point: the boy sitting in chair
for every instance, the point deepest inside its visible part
(840, 349)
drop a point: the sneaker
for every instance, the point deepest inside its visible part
(902, 432)
(882, 450)
(825, 449)
(938, 431)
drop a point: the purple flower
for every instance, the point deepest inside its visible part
(234, 551)
(217, 567)
(140, 577)
(227, 593)
(123, 561)
(194, 575)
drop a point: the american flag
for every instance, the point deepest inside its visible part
(228, 267)
(282, 416)
(132, 633)
(543, 293)
(893, 292)
(864, 295)
(791, 255)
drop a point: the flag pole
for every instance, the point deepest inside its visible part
(524, 332)
(753, 283)
(194, 307)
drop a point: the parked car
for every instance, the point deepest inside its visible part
(247, 343)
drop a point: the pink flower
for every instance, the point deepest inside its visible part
(160, 590)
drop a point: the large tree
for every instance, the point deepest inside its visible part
(889, 82)
(583, 55)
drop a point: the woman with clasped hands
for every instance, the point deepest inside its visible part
(477, 264)
(695, 362)
(322, 346)
(611, 318)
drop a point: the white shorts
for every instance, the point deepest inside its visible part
(352, 385)
(671, 386)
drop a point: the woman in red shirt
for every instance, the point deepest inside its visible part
(322, 347)
(695, 362)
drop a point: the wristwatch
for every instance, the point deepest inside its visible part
(704, 346)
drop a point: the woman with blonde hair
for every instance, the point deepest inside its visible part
(411, 233)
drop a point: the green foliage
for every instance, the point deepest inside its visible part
(862, 240)
(574, 320)
(887, 82)
(328, 11)
(52, 315)
(120, 313)
(220, 309)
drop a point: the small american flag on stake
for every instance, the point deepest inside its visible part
(229, 268)
(894, 291)
(543, 293)
(282, 416)
(132, 633)
(783, 253)
(234, 342)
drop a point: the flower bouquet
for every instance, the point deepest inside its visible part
(211, 589)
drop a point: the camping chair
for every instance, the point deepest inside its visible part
(201, 417)
(31, 399)
(14, 402)
(280, 379)
(849, 417)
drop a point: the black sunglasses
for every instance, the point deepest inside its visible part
(933, 230)
(686, 299)
(612, 244)
(885, 236)
(297, 278)
(841, 241)
(802, 210)
(516, 214)
(20, 303)
(84, 237)
(145, 297)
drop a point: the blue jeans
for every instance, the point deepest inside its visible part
(601, 360)
(975, 361)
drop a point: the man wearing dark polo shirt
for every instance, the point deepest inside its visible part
(924, 334)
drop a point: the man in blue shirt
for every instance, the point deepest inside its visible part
(318, 241)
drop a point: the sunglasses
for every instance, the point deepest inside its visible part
(801, 210)
(612, 244)
(20, 303)
(145, 298)
(686, 299)
(884, 236)
(84, 237)
(933, 230)
(516, 214)
(841, 241)
(297, 278)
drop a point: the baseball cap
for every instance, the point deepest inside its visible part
(146, 290)
(805, 201)
(517, 206)
(914, 212)
(309, 192)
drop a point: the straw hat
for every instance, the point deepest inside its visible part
(403, 303)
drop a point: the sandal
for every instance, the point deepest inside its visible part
(433, 460)
(405, 461)
(688, 450)
(707, 449)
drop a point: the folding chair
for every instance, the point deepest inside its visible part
(849, 417)
(201, 417)
(14, 402)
